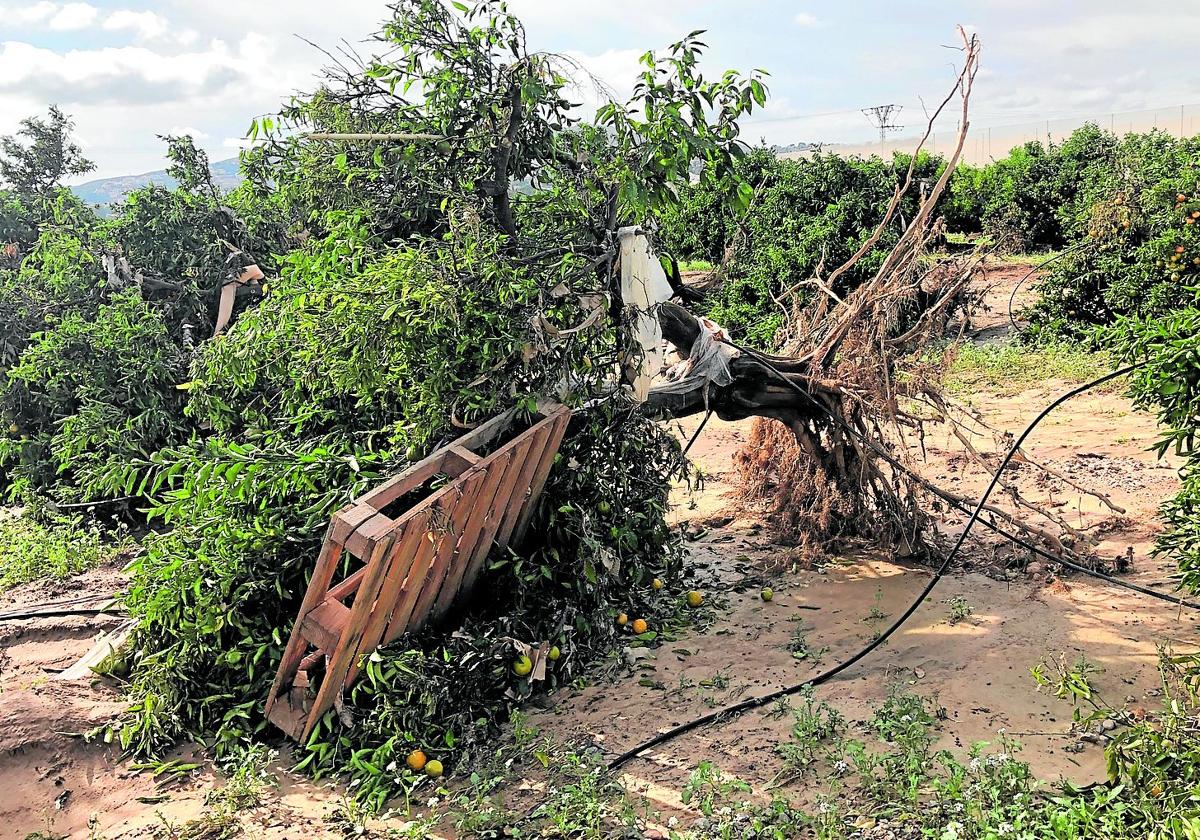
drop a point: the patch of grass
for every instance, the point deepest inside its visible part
(248, 779)
(695, 265)
(56, 549)
(1008, 369)
(1024, 259)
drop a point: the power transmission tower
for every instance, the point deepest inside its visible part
(881, 117)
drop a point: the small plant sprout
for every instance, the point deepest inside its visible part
(960, 609)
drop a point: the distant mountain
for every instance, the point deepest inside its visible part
(105, 192)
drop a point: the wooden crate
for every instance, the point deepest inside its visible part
(417, 563)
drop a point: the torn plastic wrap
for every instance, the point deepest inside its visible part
(643, 287)
(707, 364)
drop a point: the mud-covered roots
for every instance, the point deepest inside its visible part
(807, 504)
(820, 492)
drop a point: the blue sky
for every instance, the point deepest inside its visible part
(128, 70)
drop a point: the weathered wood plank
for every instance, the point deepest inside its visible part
(399, 562)
(459, 513)
(341, 657)
(417, 563)
(520, 493)
(472, 531)
(561, 419)
(318, 585)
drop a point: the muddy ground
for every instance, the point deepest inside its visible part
(978, 668)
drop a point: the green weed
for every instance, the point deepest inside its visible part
(1009, 369)
(52, 550)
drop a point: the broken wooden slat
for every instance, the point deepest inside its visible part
(399, 563)
(549, 453)
(318, 585)
(342, 655)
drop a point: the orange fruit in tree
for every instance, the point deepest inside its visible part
(1189, 221)
(433, 768)
(640, 626)
(416, 760)
(522, 666)
(1181, 198)
(656, 584)
(1179, 249)
(694, 598)
(553, 654)
(1196, 214)
(622, 619)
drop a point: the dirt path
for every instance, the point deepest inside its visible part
(978, 668)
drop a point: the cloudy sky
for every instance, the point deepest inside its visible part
(130, 69)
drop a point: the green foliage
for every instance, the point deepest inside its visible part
(49, 547)
(802, 213)
(41, 155)
(89, 394)
(1169, 384)
(1125, 231)
(1028, 199)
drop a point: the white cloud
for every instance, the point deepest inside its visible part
(31, 13)
(600, 78)
(74, 16)
(118, 74)
(144, 25)
(805, 19)
(187, 131)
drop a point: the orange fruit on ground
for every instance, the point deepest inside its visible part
(416, 760)
(622, 619)
(640, 626)
(694, 598)
(433, 768)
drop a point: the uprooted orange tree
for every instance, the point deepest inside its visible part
(415, 289)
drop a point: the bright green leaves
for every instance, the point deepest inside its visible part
(675, 119)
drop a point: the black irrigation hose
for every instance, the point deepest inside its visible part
(60, 609)
(696, 434)
(758, 702)
(1012, 297)
(1070, 564)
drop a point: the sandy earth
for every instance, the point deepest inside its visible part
(978, 668)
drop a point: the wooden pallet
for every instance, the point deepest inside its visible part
(417, 562)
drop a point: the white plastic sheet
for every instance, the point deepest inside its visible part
(643, 287)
